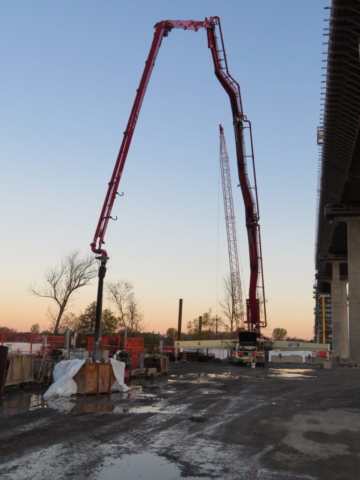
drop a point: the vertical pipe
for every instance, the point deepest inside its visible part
(125, 337)
(323, 319)
(179, 328)
(98, 319)
(67, 341)
(179, 319)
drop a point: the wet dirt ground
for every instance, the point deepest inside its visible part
(201, 421)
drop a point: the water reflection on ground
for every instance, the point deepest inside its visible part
(144, 466)
(22, 404)
(291, 373)
(144, 396)
(209, 377)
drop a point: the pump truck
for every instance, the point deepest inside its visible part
(243, 135)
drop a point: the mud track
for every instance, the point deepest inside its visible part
(203, 420)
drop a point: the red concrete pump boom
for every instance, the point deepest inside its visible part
(240, 122)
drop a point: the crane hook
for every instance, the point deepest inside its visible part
(120, 194)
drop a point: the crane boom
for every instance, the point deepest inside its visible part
(235, 283)
(240, 122)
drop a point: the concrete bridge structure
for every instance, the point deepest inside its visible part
(337, 249)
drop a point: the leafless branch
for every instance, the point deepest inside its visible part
(118, 294)
(62, 281)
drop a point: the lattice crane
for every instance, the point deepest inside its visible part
(235, 283)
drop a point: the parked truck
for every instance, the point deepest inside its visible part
(248, 349)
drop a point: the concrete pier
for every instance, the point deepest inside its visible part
(353, 230)
(340, 330)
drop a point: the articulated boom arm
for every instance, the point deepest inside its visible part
(232, 88)
(162, 30)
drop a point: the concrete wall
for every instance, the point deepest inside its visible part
(287, 359)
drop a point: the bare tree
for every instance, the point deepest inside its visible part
(234, 312)
(118, 294)
(61, 282)
(134, 317)
(210, 326)
(227, 304)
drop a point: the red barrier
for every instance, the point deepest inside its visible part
(136, 347)
(32, 343)
(322, 353)
(44, 344)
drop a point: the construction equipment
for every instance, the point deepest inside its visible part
(235, 283)
(248, 350)
(241, 124)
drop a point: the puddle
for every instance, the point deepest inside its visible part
(22, 404)
(205, 391)
(142, 466)
(183, 380)
(139, 392)
(139, 395)
(291, 373)
(88, 404)
(26, 403)
(158, 407)
(94, 404)
(208, 377)
(231, 376)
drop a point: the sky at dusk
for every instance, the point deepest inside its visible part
(70, 71)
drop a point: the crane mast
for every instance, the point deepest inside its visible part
(235, 283)
(240, 122)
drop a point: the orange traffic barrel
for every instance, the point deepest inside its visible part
(184, 355)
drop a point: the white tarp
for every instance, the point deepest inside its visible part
(65, 386)
(119, 372)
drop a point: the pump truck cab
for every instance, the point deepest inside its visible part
(248, 350)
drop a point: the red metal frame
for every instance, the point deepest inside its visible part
(232, 88)
(45, 344)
